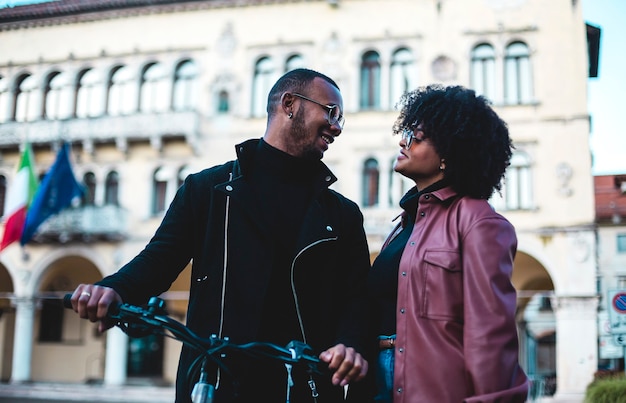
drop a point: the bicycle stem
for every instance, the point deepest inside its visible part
(203, 392)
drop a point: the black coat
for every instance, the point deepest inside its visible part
(329, 272)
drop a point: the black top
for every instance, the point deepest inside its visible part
(383, 278)
(284, 185)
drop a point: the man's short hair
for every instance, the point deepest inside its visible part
(296, 80)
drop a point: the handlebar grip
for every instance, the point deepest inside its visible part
(67, 303)
(114, 308)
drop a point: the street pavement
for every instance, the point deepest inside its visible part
(98, 393)
(83, 393)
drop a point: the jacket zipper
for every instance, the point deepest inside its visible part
(223, 300)
(293, 285)
(311, 381)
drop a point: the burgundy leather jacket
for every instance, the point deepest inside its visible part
(456, 332)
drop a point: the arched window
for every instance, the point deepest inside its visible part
(121, 99)
(183, 172)
(89, 196)
(517, 75)
(370, 81)
(517, 188)
(223, 103)
(371, 178)
(294, 62)
(111, 189)
(5, 100)
(264, 71)
(58, 96)
(154, 89)
(400, 75)
(26, 105)
(184, 94)
(89, 94)
(483, 70)
(160, 179)
(396, 188)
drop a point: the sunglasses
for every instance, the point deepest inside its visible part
(409, 137)
(334, 114)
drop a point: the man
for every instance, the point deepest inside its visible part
(277, 256)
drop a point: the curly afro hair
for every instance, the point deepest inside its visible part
(465, 131)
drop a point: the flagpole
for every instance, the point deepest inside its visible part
(25, 254)
(26, 143)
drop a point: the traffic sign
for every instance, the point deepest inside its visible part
(620, 339)
(619, 302)
(617, 311)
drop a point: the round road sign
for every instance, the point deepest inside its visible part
(619, 302)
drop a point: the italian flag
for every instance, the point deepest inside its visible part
(19, 196)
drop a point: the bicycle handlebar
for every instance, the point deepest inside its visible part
(138, 321)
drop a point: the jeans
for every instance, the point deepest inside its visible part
(384, 376)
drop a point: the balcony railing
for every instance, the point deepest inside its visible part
(85, 224)
(104, 128)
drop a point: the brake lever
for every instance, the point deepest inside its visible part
(135, 320)
(303, 353)
(300, 349)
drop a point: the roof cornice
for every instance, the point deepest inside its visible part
(63, 12)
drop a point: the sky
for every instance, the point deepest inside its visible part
(13, 3)
(608, 132)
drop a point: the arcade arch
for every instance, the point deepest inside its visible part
(59, 334)
(55, 344)
(536, 320)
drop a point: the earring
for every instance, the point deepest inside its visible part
(441, 167)
(290, 115)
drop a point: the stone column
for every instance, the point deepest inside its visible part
(576, 343)
(23, 341)
(116, 357)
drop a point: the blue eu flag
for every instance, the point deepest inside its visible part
(56, 191)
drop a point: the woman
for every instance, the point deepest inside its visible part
(444, 303)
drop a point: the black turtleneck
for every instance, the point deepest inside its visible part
(383, 278)
(284, 185)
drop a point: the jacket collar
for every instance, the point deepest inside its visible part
(245, 156)
(443, 193)
(244, 195)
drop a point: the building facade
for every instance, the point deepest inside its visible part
(610, 196)
(149, 91)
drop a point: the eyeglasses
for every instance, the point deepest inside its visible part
(409, 137)
(334, 114)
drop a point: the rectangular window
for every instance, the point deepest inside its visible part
(621, 243)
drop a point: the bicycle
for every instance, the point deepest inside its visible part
(138, 321)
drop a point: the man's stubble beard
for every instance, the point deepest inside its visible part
(300, 139)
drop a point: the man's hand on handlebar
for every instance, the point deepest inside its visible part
(347, 363)
(92, 302)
